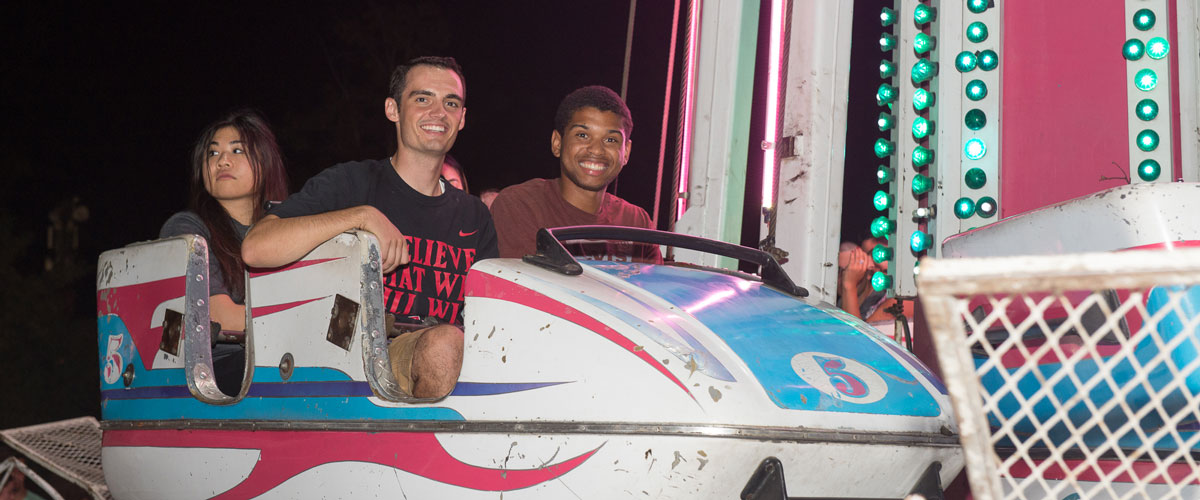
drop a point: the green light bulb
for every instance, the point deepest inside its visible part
(975, 119)
(1143, 19)
(887, 17)
(884, 174)
(921, 184)
(886, 122)
(964, 208)
(923, 70)
(919, 241)
(881, 254)
(921, 157)
(1133, 49)
(887, 42)
(1146, 109)
(1158, 48)
(976, 90)
(975, 178)
(988, 60)
(882, 200)
(881, 227)
(977, 32)
(923, 43)
(886, 69)
(977, 6)
(974, 148)
(1145, 80)
(965, 61)
(923, 14)
(1149, 170)
(921, 128)
(880, 281)
(885, 94)
(884, 147)
(986, 207)
(1147, 140)
(922, 99)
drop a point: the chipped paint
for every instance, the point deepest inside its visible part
(716, 394)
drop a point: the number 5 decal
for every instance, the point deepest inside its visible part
(841, 378)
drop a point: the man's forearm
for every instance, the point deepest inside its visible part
(274, 242)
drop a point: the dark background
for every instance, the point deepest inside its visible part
(101, 104)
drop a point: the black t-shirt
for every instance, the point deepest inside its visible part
(187, 222)
(445, 233)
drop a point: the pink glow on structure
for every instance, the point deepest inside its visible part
(772, 132)
(689, 95)
(711, 299)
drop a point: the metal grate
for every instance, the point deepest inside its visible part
(69, 448)
(1074, 376)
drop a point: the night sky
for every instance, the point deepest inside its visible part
(103, 101)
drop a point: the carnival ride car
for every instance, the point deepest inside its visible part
(581, 378)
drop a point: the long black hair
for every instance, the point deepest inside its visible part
(270, 184)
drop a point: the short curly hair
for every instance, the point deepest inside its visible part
(594, 96)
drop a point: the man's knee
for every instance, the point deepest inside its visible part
(442, 341)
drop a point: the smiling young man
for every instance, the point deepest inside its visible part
(429, 232)
(591, 141)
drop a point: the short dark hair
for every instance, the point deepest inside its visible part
(400, 74)
(594, 96)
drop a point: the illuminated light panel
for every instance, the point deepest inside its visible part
(881, 227)
(884, 147)
(887, 17)
(887, 42)
(919, 242)
(922, 213)
(975, 119)
(921, 156)
(881, 254)
(924, 14)
(1158, 48)
(964, 208)
(1143, 19)
(887, 68)
(923, 43)
(978, 6)
(1133, 49)
(966, 61)
(975, 178)
(1147, 140)
(772, 119)
(977, 32)
(884, 174)
(921, 184)
(880, 281)
(1149, 170)
(974, 149)
(976, 90)
(923, 70)
(1146, 109)
(922, 99)
(988, 60)
(886, 122)
(1145, 80)
(986, 207)
(689, 108)
(882, 200)
(921, 128)
(885, 94)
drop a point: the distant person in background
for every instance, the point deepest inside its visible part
(236, 169)
(452, 172)
(855, 294)
(488, 196)
(591, 141)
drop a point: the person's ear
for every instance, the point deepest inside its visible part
(462, 120)
(391, 109)
(556, 144)
(628, 151)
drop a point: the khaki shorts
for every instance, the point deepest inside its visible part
(400, 354)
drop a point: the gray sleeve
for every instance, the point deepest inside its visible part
(190, 223)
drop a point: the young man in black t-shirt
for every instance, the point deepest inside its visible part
(429, 232)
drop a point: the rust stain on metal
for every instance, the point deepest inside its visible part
(715, 393)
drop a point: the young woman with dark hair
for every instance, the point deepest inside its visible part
(236, 169)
